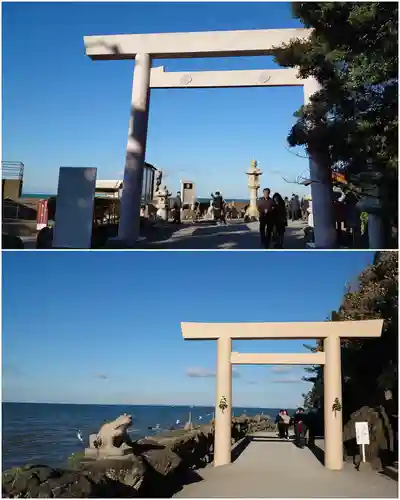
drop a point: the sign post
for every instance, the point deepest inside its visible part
(362, 437)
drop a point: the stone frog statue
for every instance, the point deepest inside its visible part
(112, 439)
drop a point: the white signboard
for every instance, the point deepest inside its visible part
(74, 207)
(187, 192)
(362, 433)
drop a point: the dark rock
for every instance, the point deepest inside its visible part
(11, 242)
(21, 479)
(32, 486)
(44, 473)
(162, 461)
(381, 449)
(85, 486)
(44, 491)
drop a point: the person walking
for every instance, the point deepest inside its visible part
(299, 427)
(218, 204)
(281, 425)
(265, 209)
(287, 206)
(280, 219)
(295, 207)
(177, 209)
(286, 423)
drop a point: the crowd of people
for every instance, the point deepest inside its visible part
(274, 213)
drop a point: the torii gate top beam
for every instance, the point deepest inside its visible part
(283, 331)
(200, 44)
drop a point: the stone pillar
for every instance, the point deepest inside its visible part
(128, 230)
(254, 185)
(321, 189)
(333, 392)
(253, 202)
(223, 416)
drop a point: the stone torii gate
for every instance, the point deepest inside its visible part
(331, 332)
(145, 47)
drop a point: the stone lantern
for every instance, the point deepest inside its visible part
(162, 197)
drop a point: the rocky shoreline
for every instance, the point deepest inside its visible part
(159, 467)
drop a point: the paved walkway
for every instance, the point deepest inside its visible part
(235, 235)
(270, 467)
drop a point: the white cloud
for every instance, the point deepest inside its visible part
(281, 369)
(205, 373)
(200, 373)
(287, 381)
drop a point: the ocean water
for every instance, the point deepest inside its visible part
(47, 433)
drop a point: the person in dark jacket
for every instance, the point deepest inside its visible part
(219, 207)
(280, 219)
(177, 209)
(265, 209)
(299, 423)
(281, 426)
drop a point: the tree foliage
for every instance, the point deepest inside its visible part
(352, 122)
(370, 366)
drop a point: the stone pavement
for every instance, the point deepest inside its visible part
(270, 467)
(235, 235)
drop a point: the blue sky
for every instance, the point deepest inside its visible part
(104, 327)
(62, 109)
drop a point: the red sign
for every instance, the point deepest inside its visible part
(42, 215)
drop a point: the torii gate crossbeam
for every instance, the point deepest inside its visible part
(331, 332)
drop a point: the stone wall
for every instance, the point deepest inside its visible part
(159, 467)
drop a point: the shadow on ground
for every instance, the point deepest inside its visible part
(239, 448)
(235, 235)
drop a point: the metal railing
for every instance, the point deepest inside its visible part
(12, 170)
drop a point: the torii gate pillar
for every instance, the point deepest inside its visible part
(333, 392)
(129, 223)
(223, 415)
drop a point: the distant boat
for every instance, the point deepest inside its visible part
(79, 436)
(177, 422)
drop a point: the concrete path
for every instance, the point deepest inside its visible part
(235, 235)
(270, 467)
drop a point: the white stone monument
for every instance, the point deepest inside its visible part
(75, 204)
(254, 185)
